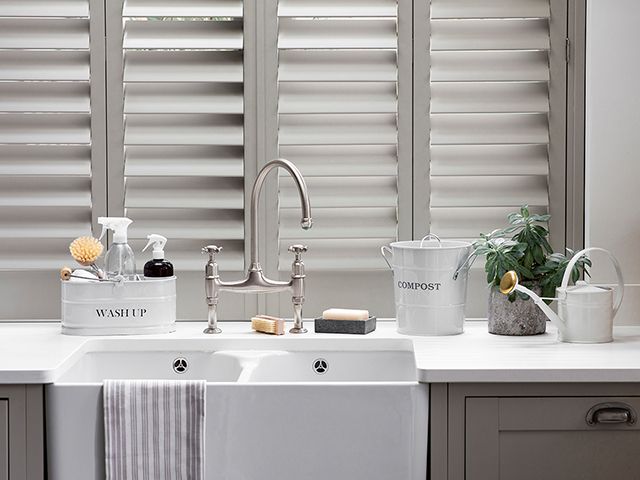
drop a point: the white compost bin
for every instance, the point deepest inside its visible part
(430, 284)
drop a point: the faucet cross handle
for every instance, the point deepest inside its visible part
(298, 250)
(212, 250)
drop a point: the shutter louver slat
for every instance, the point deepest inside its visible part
(54, 128)
(174, 98)
(183, 126)
(329, 34)
(183, 129)
(489, 8)
(343, 160)
(489, 66)
(45, 131)
(375, 222)
(45, 191)
(183, 192)
(181, 34)
(337, 97)
(489, 112)
(337, 66)
(338, 107)
(44, 8)
(340, 129)
(44, 97)
(489, 128)
(343, 192)
(184, 161)
(337, 8)
(29, 222)
(490, 34)
(44, 160)
(490, 191)
(184, 8)
(49, 34)
(456, 222)
(489, 160)
(499, 97)
(190, 224)
(183, 66)
(21, 254)
(38, 65)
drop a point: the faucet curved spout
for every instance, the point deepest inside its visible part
(298, 179)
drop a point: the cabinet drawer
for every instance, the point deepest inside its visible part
(529, 438)
(565, 413)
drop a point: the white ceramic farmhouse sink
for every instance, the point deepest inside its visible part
(276, 409)
(94, 367)
(332, 366)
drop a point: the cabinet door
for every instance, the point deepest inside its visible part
(4, 440)
(550, 438)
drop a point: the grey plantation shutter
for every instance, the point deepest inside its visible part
(496, 119)
(46, 141)
(179, 132)
(404, 116)
(490, 94)
(338, 121)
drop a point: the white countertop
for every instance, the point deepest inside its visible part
(38, 352)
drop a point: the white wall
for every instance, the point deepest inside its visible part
(613, 142)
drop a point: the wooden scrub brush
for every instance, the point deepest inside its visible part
(85, 251)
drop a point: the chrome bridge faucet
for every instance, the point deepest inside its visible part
(256, 281)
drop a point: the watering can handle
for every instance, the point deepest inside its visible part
(614, 261)
(384, 250)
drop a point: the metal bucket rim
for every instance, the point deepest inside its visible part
(445, 245)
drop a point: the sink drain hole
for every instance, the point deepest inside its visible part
(320, 366)
(180, 365)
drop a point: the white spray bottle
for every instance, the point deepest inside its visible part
(119, 260)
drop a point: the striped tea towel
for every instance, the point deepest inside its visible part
(154, 429)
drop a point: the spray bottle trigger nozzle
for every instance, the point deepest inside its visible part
(158, 242)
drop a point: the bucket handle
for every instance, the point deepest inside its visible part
(431, 236)
(384, 250)
(619, 291)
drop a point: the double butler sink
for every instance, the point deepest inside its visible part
(276, 409)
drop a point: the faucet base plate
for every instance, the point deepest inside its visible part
(210, 330)
(298, 330)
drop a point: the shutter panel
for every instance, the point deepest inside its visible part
(182, 124)
(45, 131)
(338, 122)
(490, 134)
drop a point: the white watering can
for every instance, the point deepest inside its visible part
(585, 312)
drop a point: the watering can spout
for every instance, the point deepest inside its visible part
(509, 283)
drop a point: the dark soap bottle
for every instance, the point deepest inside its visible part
(158, 267)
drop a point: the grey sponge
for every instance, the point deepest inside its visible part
(358, 327)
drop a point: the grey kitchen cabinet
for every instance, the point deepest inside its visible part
(534, 431)
(22, 432)
(4, 439)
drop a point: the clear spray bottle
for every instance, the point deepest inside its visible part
(119, 260)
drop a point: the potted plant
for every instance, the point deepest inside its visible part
(523, 246)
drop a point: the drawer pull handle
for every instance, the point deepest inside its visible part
(611, 414)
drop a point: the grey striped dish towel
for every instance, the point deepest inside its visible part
(154, 429)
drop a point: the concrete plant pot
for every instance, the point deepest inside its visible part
(520, 317)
